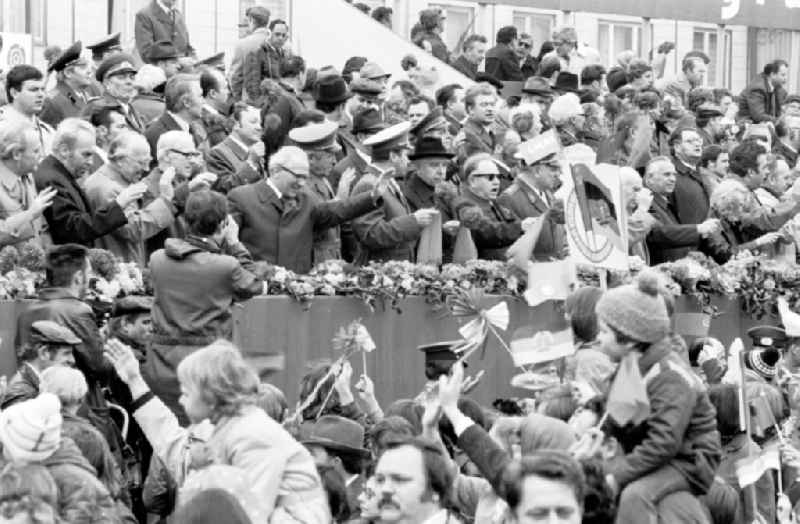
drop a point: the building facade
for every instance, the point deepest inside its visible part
(739, 36)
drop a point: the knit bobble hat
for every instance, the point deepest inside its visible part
(31, 430)
(636, 310)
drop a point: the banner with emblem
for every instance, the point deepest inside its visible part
(595, 218)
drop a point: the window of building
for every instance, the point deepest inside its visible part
(459, 20)
(706, 40)
(615, 37)
(26, 16)
(538, 25)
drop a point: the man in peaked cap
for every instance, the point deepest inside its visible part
(319, 143)
(165, 56)
(434, 124)
(50, 344)
(116, 74)
(69, 97)
(390, 232)
(373, 71)
(131, 322)
(532, 192)
(102, 49)
(709, 123)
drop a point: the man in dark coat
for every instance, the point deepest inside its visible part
(501, 60)
(432, 23)
(493, 226)
(690, 200)
(787, 129)
(668, 239)
(264, 62)
(761, 100)
(184, 111)
(71, 217)
(160, 20)
(69, 96)
(479, 133)
(391, 231)
(278, 216)
(473, 53)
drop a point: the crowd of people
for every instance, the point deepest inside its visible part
(211, 178)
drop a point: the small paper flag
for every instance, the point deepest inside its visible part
(789, 319)
(750, 469)
(627, 398)
(530, 347)
(549, 281)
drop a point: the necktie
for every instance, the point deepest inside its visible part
(24, 183)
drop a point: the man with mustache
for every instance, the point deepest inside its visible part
(413, 481)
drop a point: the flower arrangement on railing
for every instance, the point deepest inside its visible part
(755, 280)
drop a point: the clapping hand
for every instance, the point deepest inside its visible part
(42, 201)
(123, 359)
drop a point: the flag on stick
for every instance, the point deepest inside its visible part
(750, 469)
(789, 319)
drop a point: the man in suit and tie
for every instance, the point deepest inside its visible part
(239, 159)
(183, 99)
(21, 207)
(668, 239)
(279, 215)
(69, 96)
(160, 20)
(531, 194)
(390, 232)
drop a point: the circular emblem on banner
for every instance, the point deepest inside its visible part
(595, 248)
(16, 55)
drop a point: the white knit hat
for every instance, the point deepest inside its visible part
(31, 430)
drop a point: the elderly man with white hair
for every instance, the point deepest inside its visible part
(567, 116)
(128, 161)
(70, 217)
(21, 207)
(279, 215)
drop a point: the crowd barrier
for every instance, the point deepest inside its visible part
(280, 332)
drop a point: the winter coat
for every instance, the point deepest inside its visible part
(760, 102)
(681, 429)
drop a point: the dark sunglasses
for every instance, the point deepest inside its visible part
(491, 177)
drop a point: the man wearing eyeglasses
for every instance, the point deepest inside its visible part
(493, 226)
(279, 216)
(532, 193)
(128, 162)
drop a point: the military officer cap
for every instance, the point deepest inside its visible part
(49, 332)
(105, 44)
(70, 57)
(768, 337)
(316, 137)
(368, 121)
(391, 138)
(366, 87)
(439, 357)
(132, 304)
(115, 65)
(709, 111)
(216, 61)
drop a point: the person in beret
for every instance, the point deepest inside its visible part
(68, 98)
(117, 73)
(50, 344)
(390, 232)
(164, 55)
(161, 20)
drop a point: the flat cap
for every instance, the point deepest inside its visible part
(49, 332)
(394, 137)
(132, 304)
(163, 50)
(115, 65)
(71, 56)
(537, 85)
(316, 137)
(366, 87)
(373, 71)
